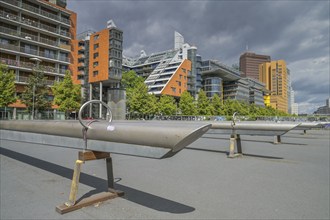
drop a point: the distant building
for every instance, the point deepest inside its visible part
(324, 110)
(100, 68)
(256, 91)
(274, 75)
(294, 109)
(221, 80)
(169, 72)
(249, 64)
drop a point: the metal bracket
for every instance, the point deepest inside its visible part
(87, 126)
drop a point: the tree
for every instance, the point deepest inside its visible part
(137, 98)
(36, 93)
(203, 104)
(67, 95)
(136, 92)
(7, 86)
(150, 108)
(167, 105)
(187, 104)
(130, 80)
(217, 105)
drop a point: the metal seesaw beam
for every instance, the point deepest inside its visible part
(156, 140)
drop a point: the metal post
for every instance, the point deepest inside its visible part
(110, 174)
(90, 98)
(232, 146)
(100, 110)
(34, 88)
(238, 144)
(277, 139)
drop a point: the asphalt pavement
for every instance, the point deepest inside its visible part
(271, 181)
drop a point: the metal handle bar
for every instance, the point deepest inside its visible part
(90, 102)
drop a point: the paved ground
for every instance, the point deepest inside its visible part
(285, 181)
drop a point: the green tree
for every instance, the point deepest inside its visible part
(7, 86)
(150, 108)
(167, 105)
(136, 92)
(137, 97)
(217, 105)
(36, 93)
(203, 104)
(67, 95)
(187, 104)
(130, 80)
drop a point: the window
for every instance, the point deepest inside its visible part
(95, 73)
(96, 37)
(173, 89)
(95, 55)
(96, 46)
(95, 64)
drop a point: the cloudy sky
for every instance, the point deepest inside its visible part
(296, 31)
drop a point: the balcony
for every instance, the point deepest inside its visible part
(22, 79)
(38, 11)
(12, 2)
(65, 46)
(33, 37)
(33, 52)
(34, 23)
(28, 65)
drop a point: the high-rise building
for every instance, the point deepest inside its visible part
(36, 34)
(274, 75)
(249, 64)
(99, 68)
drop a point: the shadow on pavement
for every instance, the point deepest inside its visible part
(227, 153)
(133, 195)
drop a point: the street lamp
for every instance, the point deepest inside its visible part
(37, 60)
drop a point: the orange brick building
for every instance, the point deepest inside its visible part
(99, 68)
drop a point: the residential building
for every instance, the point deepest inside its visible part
(99, 69)
(274, 75)
(169, 72)
(249, 64)
(36, 34)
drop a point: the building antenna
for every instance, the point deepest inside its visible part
(247, 47)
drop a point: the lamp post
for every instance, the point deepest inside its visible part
(37, 60)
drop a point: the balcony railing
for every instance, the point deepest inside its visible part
(33, 23)
(23, 79)
(33, 52)
(28, 65)
(33, 37)
(38, 11)
(13, 2)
